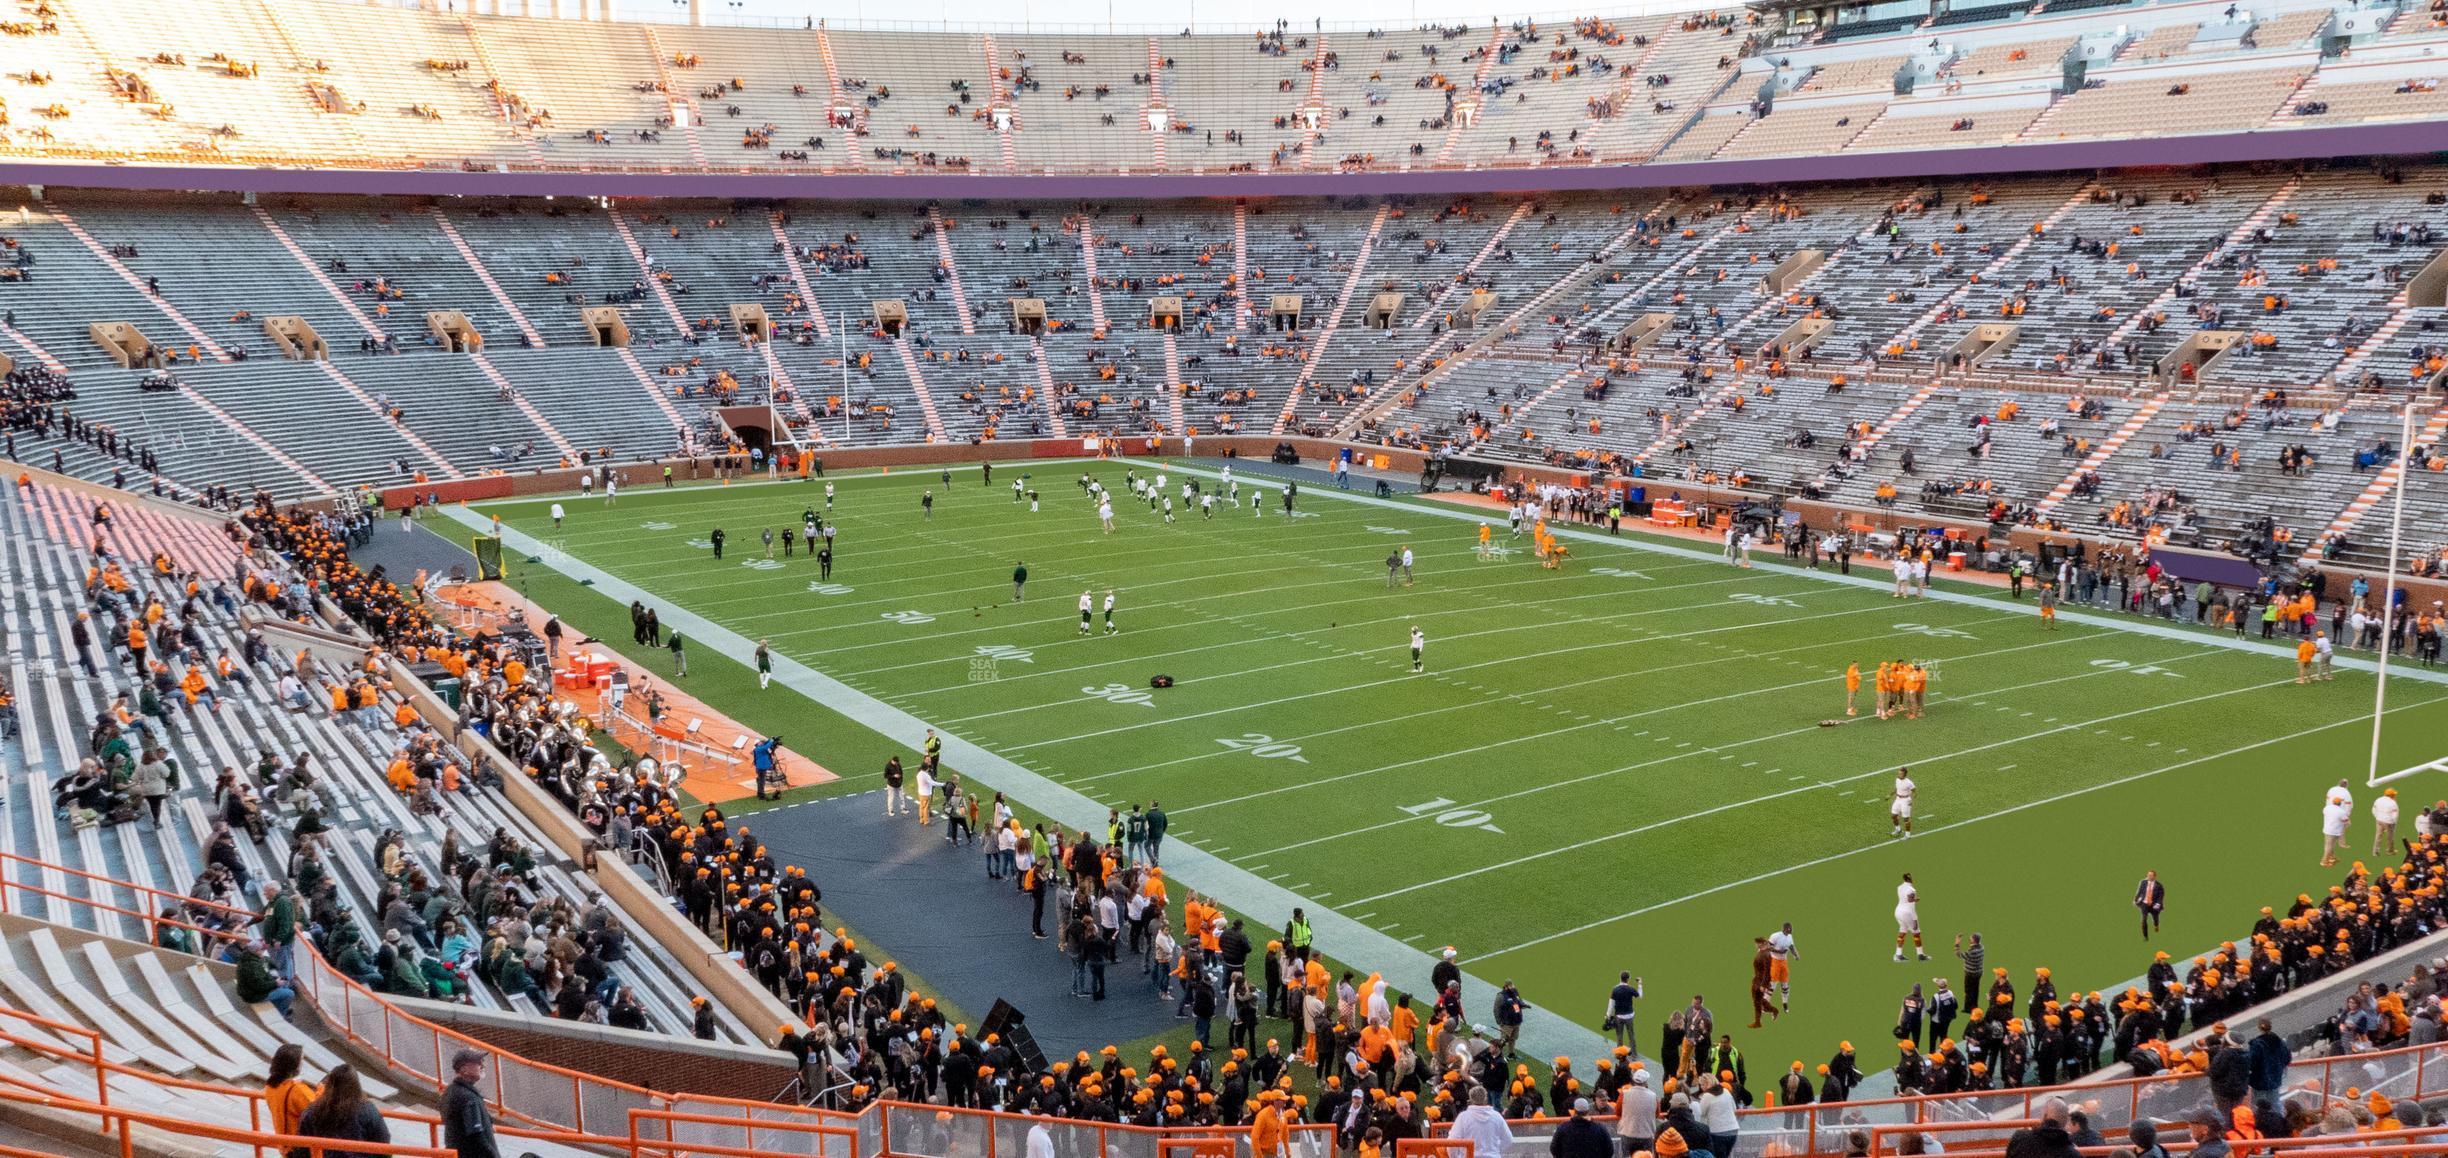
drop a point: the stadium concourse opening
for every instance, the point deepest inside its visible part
(1800, 580)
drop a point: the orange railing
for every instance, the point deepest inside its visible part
(121, 1125)
(154, 901)
(553, 1102)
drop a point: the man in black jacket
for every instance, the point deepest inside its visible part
(2049, 1139)
(1579, 1137)
(1234, 946)
(467, 1123)
(2268, 1059)
(2230, 1070)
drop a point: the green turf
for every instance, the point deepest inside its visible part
(1630, 752)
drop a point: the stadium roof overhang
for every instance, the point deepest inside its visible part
(2395, 139)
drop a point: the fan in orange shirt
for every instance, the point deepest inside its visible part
(1852, 678)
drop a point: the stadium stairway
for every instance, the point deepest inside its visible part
(2100, 454)
(1324, 336)
(2386, 480)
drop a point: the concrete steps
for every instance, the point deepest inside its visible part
(101, 253)
(1929, 317)
(1088, 261)
(440, 464)
(646, 269)
(2426, 437)
(561, 446)
(2243, 229)
(1436, 304)
(501, 297)
(951, 268)
(1334, 321)
(926, 400)
(2100, 454)
(1487, 63)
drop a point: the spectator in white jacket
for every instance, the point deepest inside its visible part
(2384, 823)
(1480, 1125)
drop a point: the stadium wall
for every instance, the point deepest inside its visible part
(660, 1062)
(2401, 138)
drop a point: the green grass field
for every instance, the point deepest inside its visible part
(1622, 765)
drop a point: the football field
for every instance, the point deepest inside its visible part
(1639, 761)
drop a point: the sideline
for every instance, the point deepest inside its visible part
(1544, 1033)
(1638, 541)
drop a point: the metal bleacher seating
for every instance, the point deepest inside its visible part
(319, 82)
(46, 526)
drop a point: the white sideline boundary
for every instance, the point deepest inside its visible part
(1544, 1033)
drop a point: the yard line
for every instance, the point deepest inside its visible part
(1534, 692)
(1235, 888)
(1092, 641)
(1680, 755)
(1335, 652)
(2007, 811)
(1511, 659)
(898, 530)
(1137, 609)
(1582, 844)
(990, 590)
(1863, 581)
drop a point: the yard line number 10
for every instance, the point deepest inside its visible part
(1452, 815)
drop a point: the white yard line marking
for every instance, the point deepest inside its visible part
(1135, 610)
(2007, 811)
(1684, 750)
(1513, 659)
(1864, 581)
(1234, 887)
(1582, 844)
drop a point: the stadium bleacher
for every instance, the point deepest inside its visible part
(320, 82)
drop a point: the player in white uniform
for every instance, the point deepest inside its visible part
(828, 495)
(1109, 605)
(1087, 606)
(1899, 812)
(1207, 506)
(1903, 575)
(1908, 918)
(1419, 649)
(1105, 514)
(1781, 956)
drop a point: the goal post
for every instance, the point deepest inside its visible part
(2434, 766)
(2389, 616)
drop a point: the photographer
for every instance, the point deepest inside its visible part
(768, 776)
